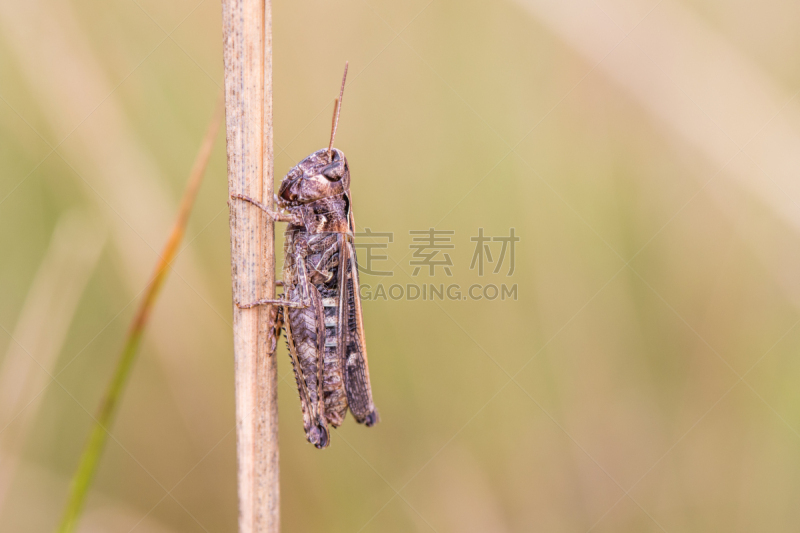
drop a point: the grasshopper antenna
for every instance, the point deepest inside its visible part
(336, 108)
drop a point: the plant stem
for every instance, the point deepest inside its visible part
(87, 467)
(247, 52)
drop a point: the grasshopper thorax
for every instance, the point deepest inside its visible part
(316, 177)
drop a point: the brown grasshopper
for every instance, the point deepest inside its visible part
(321, 305)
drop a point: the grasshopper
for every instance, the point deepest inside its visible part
(320, 305)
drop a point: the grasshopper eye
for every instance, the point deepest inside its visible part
(334, 171)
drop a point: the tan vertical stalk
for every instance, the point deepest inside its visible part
(247, 37)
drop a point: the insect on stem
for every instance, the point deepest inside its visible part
(321, 303)
(336, 108)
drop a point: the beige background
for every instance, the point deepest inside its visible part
(647, 154)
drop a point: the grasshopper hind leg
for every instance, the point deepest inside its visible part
(306, 335)
(319, 436)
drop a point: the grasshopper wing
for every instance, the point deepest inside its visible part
(356, 367)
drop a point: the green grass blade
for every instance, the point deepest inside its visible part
(87, 467)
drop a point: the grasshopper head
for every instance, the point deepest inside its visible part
(315, 177)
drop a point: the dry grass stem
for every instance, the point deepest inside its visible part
(247, 38)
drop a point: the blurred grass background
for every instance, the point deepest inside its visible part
(647, 154)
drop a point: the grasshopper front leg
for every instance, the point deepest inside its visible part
(274, 215)
(271, 301)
